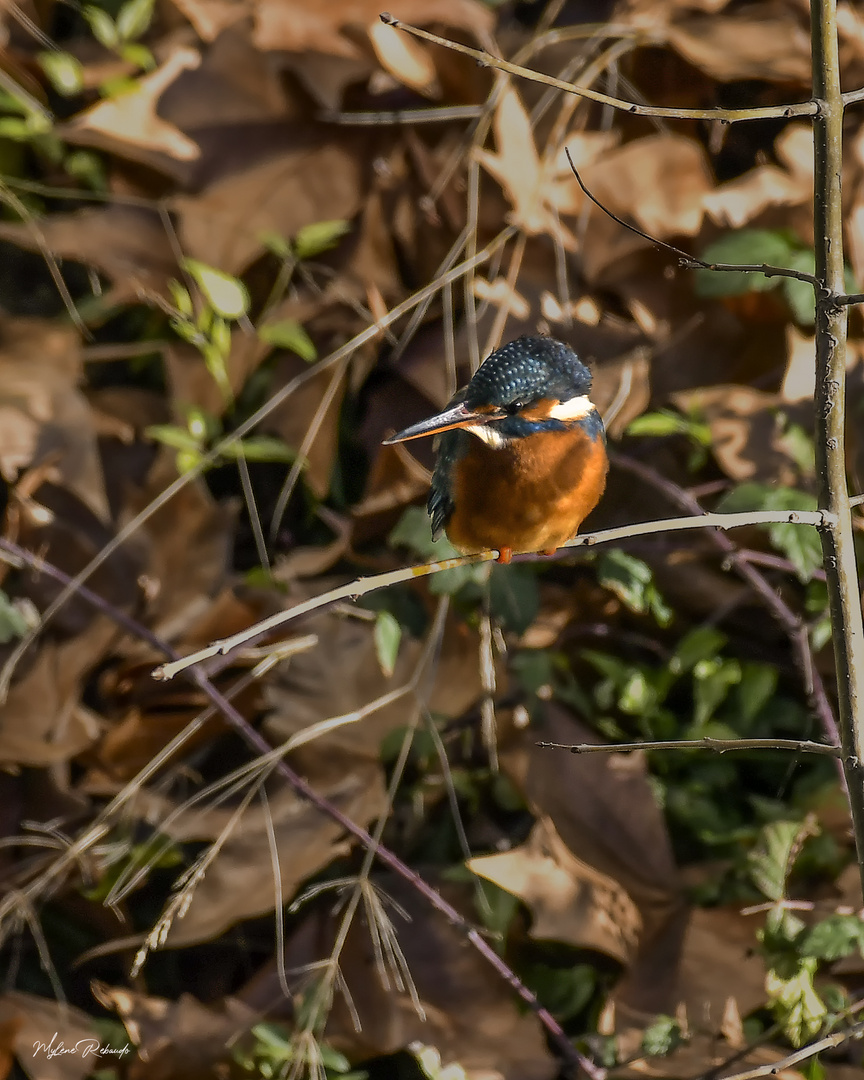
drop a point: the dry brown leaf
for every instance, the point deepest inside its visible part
(45, 421)
(660, 181)
(761, 41)
(718, 962)
(31, 1022)
(240, 883)
(304, 692)
(176, 1040)
(405, 58)
(126, 243)
(211, 17)
(743, 199)
(528, 185)
(747, 433)
(43, 721)
(603, 809)
(320, 180)
(186, 545)
(129, 123)
(329, 29)
(568, 900)
(291, 420)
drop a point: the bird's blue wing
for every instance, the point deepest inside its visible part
(452, 446)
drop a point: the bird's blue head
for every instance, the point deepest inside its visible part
(529, 385)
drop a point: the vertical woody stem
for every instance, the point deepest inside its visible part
(837, 540)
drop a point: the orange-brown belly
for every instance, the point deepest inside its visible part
(531, 495)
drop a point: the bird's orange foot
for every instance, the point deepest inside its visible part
(550, 551)
(505, 555)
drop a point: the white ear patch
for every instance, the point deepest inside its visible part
(576, 408)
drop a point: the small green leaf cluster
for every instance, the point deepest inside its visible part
(665, 422)
(194, 441)
(773, 247)
(276, 1052)
(793, 949)
(800, 544)
(15, 618)
(121, 35)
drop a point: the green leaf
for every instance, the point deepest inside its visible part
(227, 295)
(799, 543)
(632, 581)
(388, 634)
(712, 681)
(103, 27)
(13, 623)
(771, 861)
(63, 71)
(799, 294)
(833, 938)
(563, 991)
(661, 1037)
(514, 596)
(134, 18)
(262, 448)
(277, 245)
(703, 643)
(318, 237)
(414, 531)
(289, 334)
(748, 246)
(757, 687)
(139, 55)
(172, 435)
(665, 422)
(795, 1003)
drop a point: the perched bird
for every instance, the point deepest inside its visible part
(521, 455)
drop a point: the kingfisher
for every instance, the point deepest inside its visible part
(521, 453)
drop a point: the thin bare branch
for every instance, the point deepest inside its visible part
(725, 116)
(719, 746)
(363, 586)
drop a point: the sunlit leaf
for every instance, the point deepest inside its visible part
(289, 334)
(771, 861)
(64, 71)
(388, 634)
(134, 18)
(319, 236)
(13, 624)
(227, 295)
(103, 26)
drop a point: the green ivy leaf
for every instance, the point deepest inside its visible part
(799, 543)
(748, 246)
(795, 1003)
(388, 634)
(289, 334)
(632, 581)
(514, 596)
(833, 938)
(703, 643)
(712, 681)
(661, 1037)
(318, 237)
(771, 861)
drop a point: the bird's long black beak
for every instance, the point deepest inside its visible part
(456, 417)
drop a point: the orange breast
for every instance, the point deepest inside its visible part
(530, 495)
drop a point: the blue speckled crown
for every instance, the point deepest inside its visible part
(528, 369)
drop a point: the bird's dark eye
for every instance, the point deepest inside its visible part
(515, 407)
